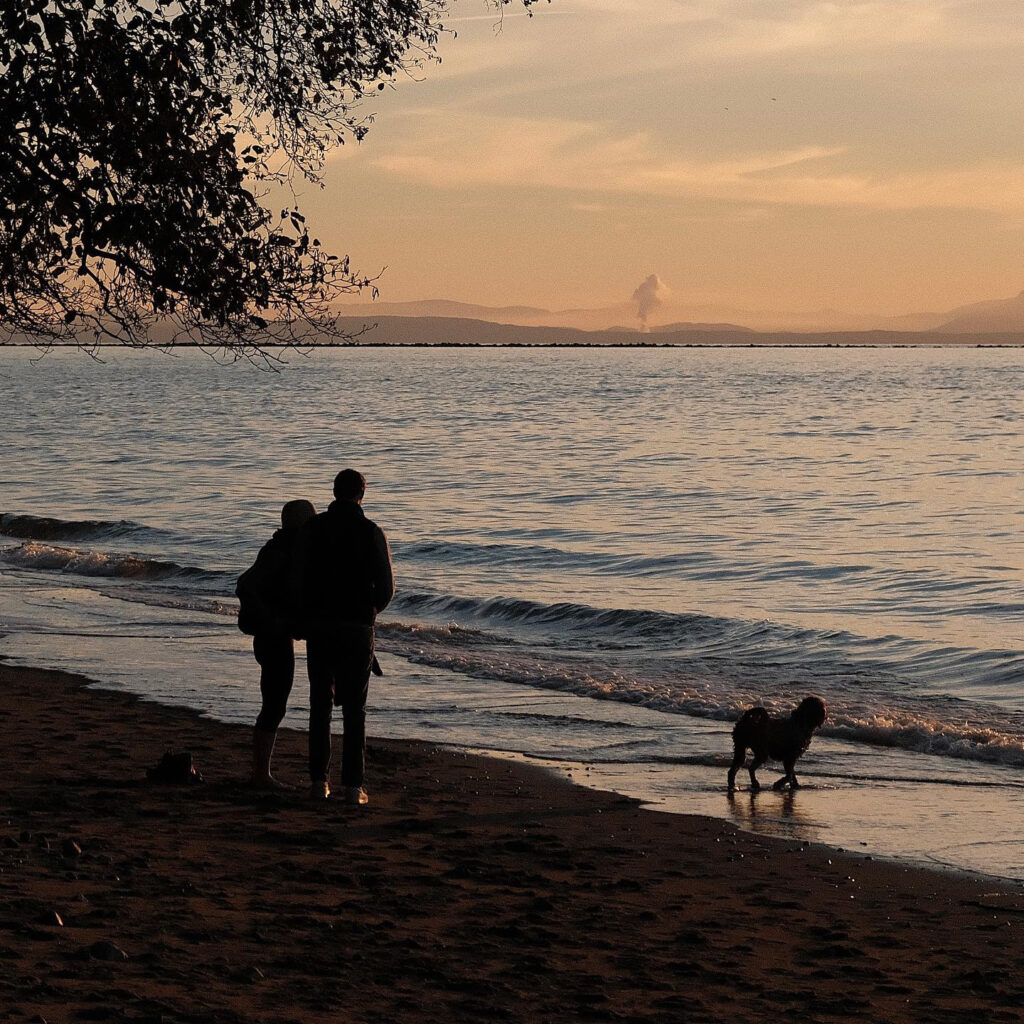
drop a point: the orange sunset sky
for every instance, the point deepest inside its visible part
(768, 154)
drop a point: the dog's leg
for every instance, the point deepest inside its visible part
(789, 777)
(755, 786)
(739, 754)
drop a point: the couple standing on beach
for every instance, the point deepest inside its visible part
(323, 579)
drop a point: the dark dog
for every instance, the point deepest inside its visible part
(775, 739)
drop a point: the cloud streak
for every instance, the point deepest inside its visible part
(577, 157)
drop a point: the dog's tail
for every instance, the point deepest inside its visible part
(754, 716)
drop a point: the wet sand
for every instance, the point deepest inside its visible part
(469, 890)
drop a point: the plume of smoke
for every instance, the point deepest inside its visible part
(648, 296)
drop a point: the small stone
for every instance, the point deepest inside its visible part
(105, 950)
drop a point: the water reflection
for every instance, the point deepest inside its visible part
(773, 814)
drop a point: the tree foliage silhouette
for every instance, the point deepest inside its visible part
(144, 139)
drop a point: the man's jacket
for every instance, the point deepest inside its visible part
(344, 570)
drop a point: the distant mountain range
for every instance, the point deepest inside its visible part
(987, 317)
(997, 316)
(457, 330)
(453, 330)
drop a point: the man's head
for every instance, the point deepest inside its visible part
(295, 513)
(349, 485)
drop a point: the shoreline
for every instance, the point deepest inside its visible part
(871, 800)
(965, 343)
(868, 800)
(471, 888)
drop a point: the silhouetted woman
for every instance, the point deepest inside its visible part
(265, 612)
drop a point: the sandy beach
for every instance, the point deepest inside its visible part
(470, 889)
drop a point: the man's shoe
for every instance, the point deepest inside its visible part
(355, 796)
(319, 790)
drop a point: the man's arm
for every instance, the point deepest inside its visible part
(383, 574)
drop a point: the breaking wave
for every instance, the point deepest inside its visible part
(27, 527)
(946, 728)
(51, 558)
(756, 644)
(879, 587)
(704, 666)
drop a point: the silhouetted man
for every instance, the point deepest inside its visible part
(345, 580)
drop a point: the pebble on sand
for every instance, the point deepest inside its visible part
(105, 950)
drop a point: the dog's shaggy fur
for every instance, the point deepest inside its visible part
(775, 739)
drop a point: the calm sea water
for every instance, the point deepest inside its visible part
(603, 555)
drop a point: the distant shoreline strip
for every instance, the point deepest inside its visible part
(160, 346)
